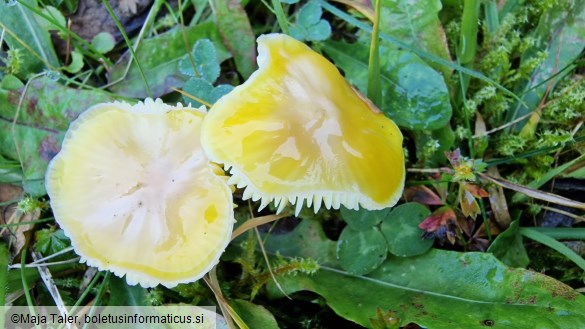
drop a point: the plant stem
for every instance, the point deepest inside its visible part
(374, 82)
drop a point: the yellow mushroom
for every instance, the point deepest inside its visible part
(133, 190)
(297, 132)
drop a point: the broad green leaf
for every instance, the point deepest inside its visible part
(219, 91)
(309, 25)
(255, 316)
(420, 98)
(361, 252)
(414, 95)
(445, 290)
(561, 34)
(509, 247)
(162, 67)
(309, 14)
(103, 42)
(47, 109)
(416, 23)
(11, 82)
(23, 32)
(199, 88)
(121, 294)
(297, 32)
(307, 239)
(205, 62)
(203, 90)
(55, 14)
(236, 31)
(400, 228)
(363, 219)
(51, 241)
(319, 32)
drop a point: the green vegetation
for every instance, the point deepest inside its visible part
(489, 96)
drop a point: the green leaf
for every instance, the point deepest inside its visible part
(103, 42)
(509, 247)
(237, 34)
(469, 26)
(309, 14)
(53, 13)
(307, 239)
(162, 67)
(414, 95)
(205, 59)
(297, 32)
(47, 109)
(199, 88)
(319, 32)
(416, 23)
(421, 99)
(400, 228)
(445, 290)
(363, 219)
(51, 241)
(23, 32)
(76, 62)
(309, 25)
(361, 252)
(121, 294)
(219, 91)
(11, 82)
(255, 316)
(203, 90)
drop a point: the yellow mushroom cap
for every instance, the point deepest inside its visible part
(297, 132)
(137, 196)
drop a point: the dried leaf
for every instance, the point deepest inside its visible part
(440, 217)
(422, 194)
(475, 190)
(467, 202)
(498, 201)
(15, 236)
(545, 196)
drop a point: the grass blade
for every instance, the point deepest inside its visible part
(553, 244)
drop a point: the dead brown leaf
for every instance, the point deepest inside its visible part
(422, 194)
(15, 236)
(537, 194)
(498, 201)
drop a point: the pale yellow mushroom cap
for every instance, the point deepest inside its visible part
(297, 132)
(137, 196)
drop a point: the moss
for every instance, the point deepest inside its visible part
(13, 62)
(510, 144)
